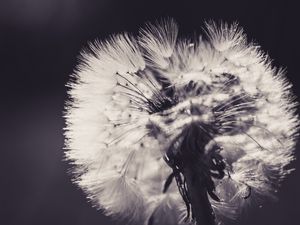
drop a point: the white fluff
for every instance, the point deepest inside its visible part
(119, 164)
(109, 188)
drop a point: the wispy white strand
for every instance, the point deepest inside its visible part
(158, 41)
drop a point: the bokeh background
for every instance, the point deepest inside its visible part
(39, 44)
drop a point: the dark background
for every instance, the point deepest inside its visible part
(39, 44)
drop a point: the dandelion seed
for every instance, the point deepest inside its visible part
(168, 131)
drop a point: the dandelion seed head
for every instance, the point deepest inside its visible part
(134, 98)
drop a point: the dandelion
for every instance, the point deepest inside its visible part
(163, 130)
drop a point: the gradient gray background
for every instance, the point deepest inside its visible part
(39, 44)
